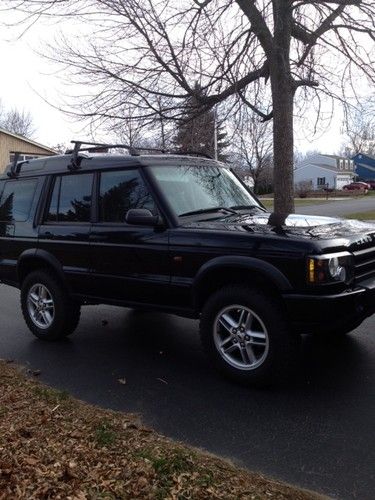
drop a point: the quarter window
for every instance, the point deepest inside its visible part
(16, 200)
(71, 199)
(121, 191)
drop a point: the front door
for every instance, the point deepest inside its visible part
(129, 263)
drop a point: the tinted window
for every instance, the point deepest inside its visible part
(119, 192)
(71, 199)
(16, 200)
(52, 212)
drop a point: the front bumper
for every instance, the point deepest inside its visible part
(309, 313)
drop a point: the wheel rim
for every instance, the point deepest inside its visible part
(241, 337)
(40, 306)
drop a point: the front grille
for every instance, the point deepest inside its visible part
(364, 263)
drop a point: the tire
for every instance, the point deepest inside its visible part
(58, 315)
(268, 354)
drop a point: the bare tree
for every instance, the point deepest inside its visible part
(204, 133)
(16, 121)
(252, 144)
(359, 126)
(144, 51)
(61, 148)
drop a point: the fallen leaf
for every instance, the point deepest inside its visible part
(31, 461)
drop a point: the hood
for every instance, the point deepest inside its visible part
(301, 226)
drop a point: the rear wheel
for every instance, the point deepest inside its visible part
(246, 335)
(48, 310)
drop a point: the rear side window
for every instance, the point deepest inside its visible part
(71, 199)
(16, 200)
(119, 192)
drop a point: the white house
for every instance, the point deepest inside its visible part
(325, 171)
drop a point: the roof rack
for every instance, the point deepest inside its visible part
(15, 169)
(96, 147)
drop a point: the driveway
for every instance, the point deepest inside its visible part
(316, 431)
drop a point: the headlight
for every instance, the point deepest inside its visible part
(330, 268)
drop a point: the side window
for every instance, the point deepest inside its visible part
(71, 199)
(16, 200)
(121, 191)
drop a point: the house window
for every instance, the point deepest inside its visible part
(321, 181)
(341, 163)
(21, 157)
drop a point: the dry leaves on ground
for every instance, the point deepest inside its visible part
(54, 447)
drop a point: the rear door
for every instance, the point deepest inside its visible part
(65, 228)
(129, 263)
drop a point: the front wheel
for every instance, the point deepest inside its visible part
(48, 310)
(246, 335)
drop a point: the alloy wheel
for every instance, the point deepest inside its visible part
(40, 306)
(241, 337)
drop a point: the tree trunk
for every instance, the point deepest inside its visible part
(283, 98)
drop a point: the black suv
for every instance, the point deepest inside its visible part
(184, 235)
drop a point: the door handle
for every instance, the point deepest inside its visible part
(48, 235)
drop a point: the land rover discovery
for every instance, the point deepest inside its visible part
(180, 234)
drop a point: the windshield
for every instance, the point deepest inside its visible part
(197, 189)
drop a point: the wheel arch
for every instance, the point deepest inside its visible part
(34, 259)
(223, 271)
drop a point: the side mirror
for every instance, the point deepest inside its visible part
(141, 217)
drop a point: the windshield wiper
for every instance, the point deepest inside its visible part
(248, 207)
(208, 210)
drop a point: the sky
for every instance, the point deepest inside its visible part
(28, 80)
(27, 83)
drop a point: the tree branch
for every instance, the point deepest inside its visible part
(258, 24)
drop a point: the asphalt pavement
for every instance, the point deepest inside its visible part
(338, 208)
(316, 429)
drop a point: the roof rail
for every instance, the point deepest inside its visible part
(133, 151)
(193, 153)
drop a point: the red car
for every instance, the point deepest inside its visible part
(354, 186)
(371, 183)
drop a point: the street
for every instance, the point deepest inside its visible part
(339, 208)
(315, 430)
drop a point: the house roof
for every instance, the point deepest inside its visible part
(318, 164)
(322, 160)
(337, 157)
(363, 155)
(29, 141)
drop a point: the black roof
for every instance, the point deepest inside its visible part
(62, 163)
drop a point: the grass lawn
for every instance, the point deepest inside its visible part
(368, 215)
(53, 446)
